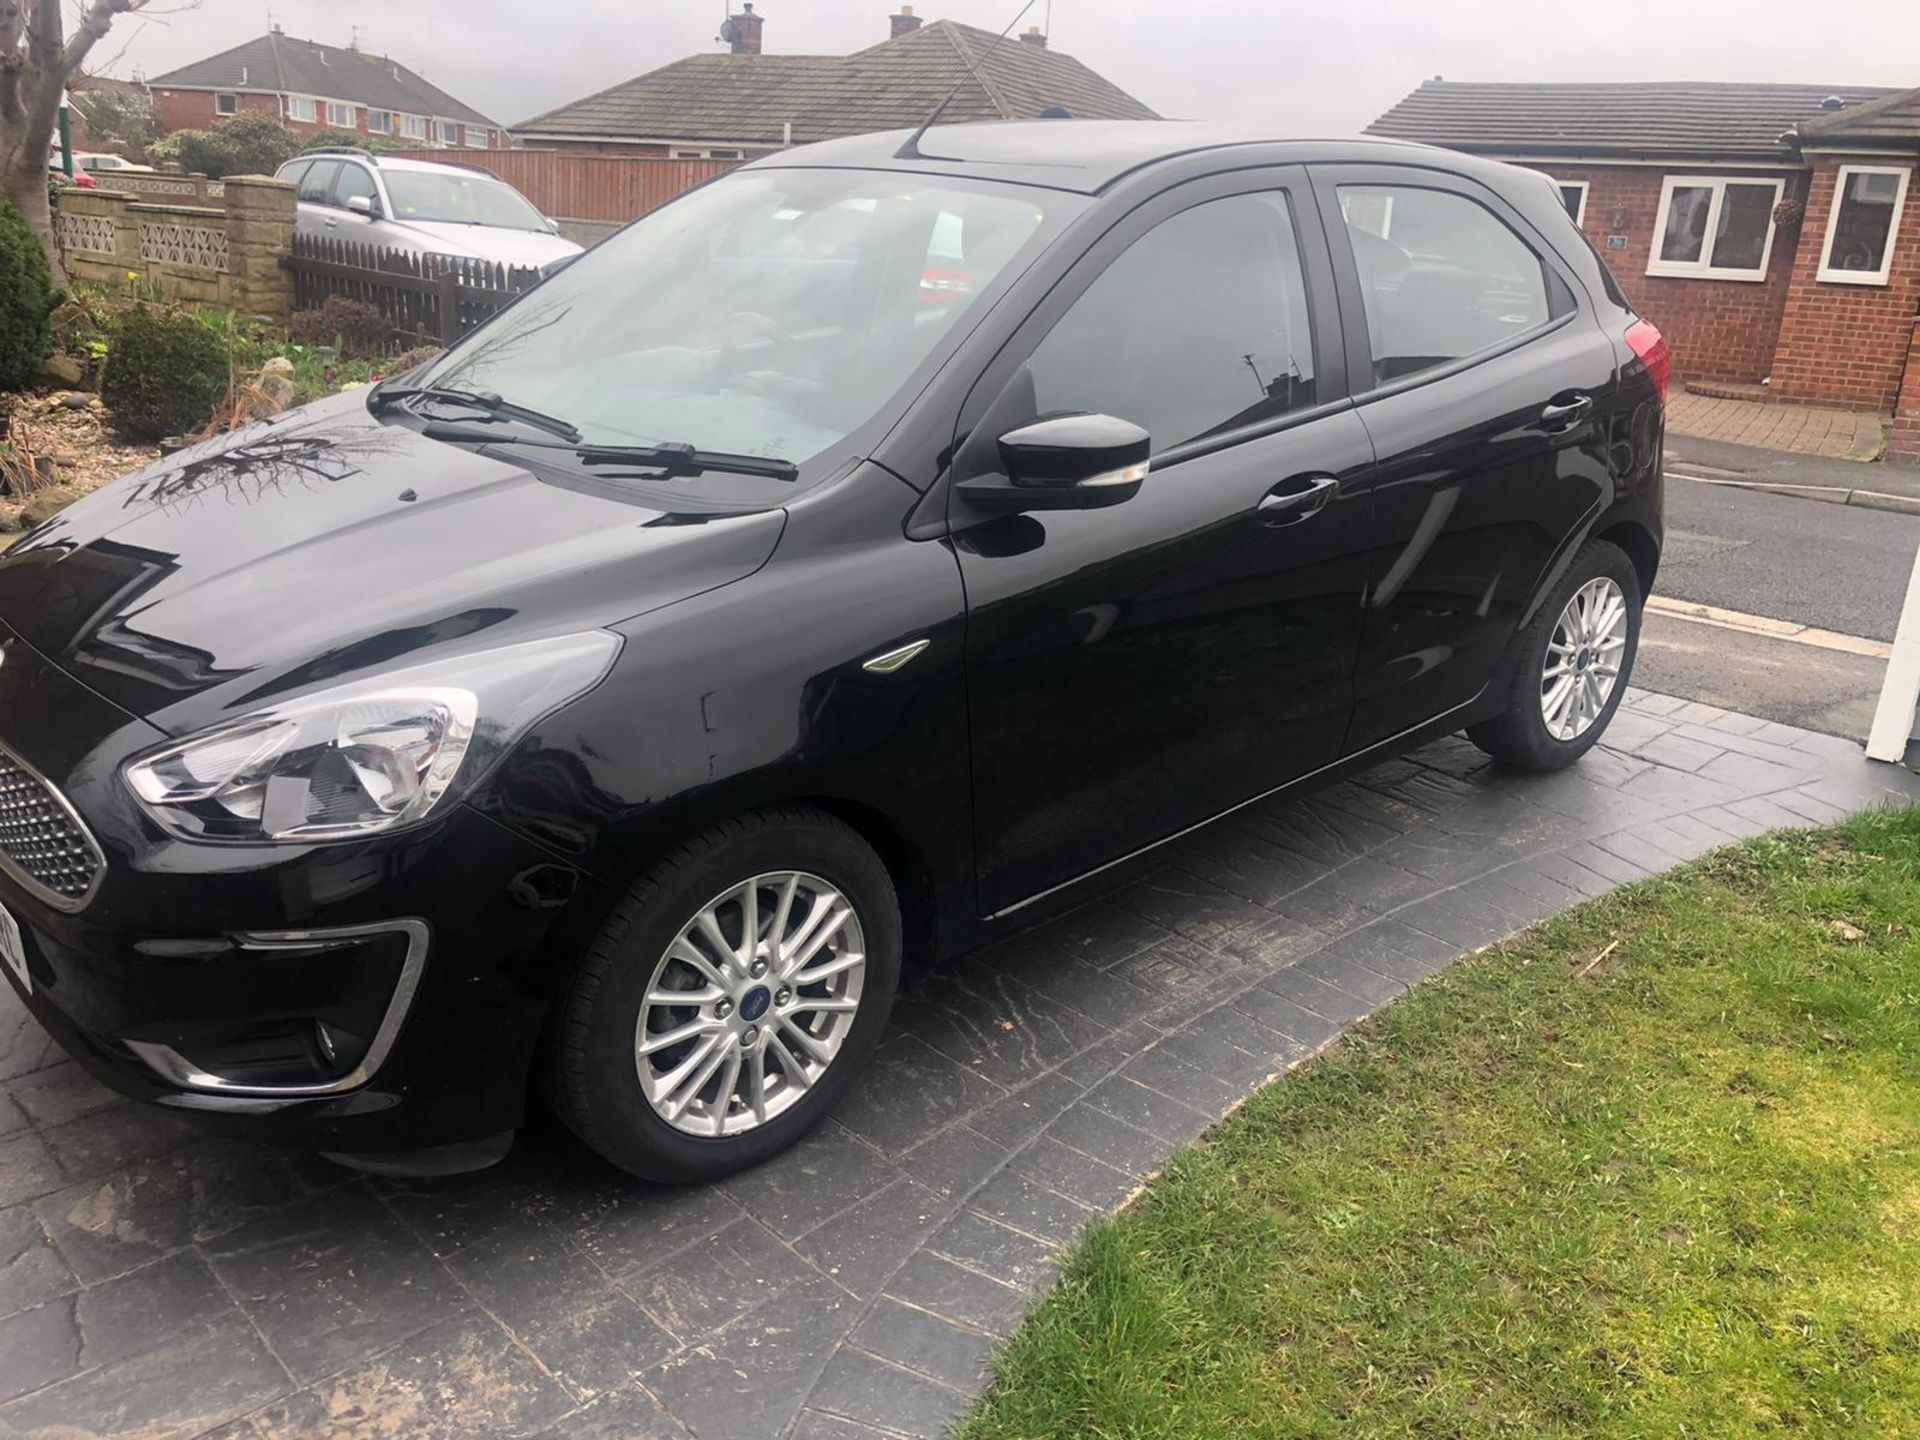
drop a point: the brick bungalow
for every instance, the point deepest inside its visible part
(318, 87)
(1715, 207)
(747, 103)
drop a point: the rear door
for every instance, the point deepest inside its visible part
(315, 203)
(1135, 670)
(1485, 383)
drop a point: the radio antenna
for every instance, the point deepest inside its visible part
(911, 150)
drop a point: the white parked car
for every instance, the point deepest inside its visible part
(421, 207)
(103, 164)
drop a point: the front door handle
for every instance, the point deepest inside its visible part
(1297, 498)
(1564, 415)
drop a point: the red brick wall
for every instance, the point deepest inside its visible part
(1848, 344)
(1716, 329)
(194, 110)
(1904, 444)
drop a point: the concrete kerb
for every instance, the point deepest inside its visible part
(1828, 494)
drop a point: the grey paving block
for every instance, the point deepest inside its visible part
(1027, 1111)
(1019, 1200)
(1317, 996)
(632, 1225)
(1702, 834)
(1322, 834)
(934, 1283)
(1650, 703)
(704, 1288)
(31, 1270)
(1304, 1027)
(1791, 757)
(1280, 942)
(332, 1281)
(954, 1161)
(937, 1348)
(1460, 923)
(1148, 1110)
(1374, 804)
(1093, 1183)
(1160, 1069)
(563, 1309)
(1116, 1143)
(1532, 877)
(1817, 811)
(986, 1247)
(24, 1046)
(1182, 902)
(1429, 949)
(1440, 857)
(106, 1140)
(993, 1022)
(751, 1378)
(628, 1413)
(1630, 729)
(107, 1226)
(464, 1377)
(911, 1090)
(1209, 1049)
(60, 1093)
(817, 1425)
(1675, 838)
(1575, 876)
(1352, 975)
(1766, 814)
(1746, 774)
(1678, 752)
(861, 1248)
(1832, 747)
(861, 1387)
(1495, 894)
(1607, 865)
(1226, 1024)
(1099, 932)
(1733, 723)
(12, 1117)
(27, 1168)
(826, 1172)
(193, 1381)
(1071, 980)
(1237, 860)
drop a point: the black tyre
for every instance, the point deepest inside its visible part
(731, 998)
(1571, 665)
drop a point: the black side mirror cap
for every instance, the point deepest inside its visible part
(1068, 462)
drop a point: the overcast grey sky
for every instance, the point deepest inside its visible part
(1305, 67)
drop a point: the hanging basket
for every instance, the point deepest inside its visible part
(1789, 211)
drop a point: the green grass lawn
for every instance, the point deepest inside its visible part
(1676, 1193)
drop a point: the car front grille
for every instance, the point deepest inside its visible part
(43, 845)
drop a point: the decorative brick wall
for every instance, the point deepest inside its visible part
(233, 257)
(1847, 344)
(1715, 329)
(1903, 445)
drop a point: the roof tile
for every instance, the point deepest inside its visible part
(285, 65)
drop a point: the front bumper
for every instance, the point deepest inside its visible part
(366, 996)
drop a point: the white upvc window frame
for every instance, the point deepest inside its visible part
(478, 137)
(348, 110)
(314, 110)
(1580, 212)
(233, 104)
(1700, 269)
(446, 132)
(414, 127)
(386, 129)
(1829, 276)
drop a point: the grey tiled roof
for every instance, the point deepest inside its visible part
(1666, 119)
(1893, 118)
(751, 98)
(286, 65)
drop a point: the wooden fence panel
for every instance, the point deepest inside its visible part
(431, 297)
(561, 184)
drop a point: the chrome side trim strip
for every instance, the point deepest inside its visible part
(54, 898)
(169, 1064)
(891, 660)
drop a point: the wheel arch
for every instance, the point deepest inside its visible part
(1641, 548)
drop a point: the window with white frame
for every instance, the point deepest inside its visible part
(341, 116)
(379, 122)
(1714, 227)
(302, 107)
(445, 132)
(703, 152)
(413, 127)
(226, 103)
(478, 139)
(1867, 201)
(1573, 195)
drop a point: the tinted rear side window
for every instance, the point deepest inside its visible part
(1442, 277)
(1200, 326)
(316, 186)
(293, 170)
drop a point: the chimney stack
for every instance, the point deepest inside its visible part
(1034, 37)
(742, 31)
(905, 23)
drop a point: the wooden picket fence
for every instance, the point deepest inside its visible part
(435, 298)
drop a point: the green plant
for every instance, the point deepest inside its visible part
(27, 300)
(353, 327)
(166, 371)
(253, 143)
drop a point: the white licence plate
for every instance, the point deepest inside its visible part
(12, 951)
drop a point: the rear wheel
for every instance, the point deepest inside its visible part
(1571, 664)
(731, 998)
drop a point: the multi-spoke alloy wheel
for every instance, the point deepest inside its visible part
(1583, 659)
(750, 1003)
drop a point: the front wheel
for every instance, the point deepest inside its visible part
(1571, 664)
(731, 998)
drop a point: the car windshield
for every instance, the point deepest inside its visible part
(434, 196)
(771, 313)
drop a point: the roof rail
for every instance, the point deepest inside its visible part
(361, 150)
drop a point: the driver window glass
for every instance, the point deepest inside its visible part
(1441, 276)
(1200, 326)
(317, 183)
(354, 180)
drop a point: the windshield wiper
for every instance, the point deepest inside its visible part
(673, 461)
(484, 401)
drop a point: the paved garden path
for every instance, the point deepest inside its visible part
(159, 1284)
(1802, 429)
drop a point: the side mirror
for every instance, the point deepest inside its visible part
(361, 205)
(1069, 462)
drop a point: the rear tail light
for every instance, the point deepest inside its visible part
(1646, 341)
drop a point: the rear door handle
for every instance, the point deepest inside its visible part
(1564, 415)
(1297, 498)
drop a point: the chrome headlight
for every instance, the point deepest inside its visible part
(365, 757)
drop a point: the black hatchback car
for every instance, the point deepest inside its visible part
(830, 571)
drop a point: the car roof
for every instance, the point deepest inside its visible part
(1089, 155)
(385, 162)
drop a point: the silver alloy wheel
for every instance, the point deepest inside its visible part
(750, 1003)
(1583, 659)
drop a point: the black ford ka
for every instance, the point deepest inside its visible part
(835, 569)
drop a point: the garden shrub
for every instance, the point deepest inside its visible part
(252, 143)
(27, 300)
(358, 330)
(166, 371)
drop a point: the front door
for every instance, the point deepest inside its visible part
(1135, 670)
(1485, 386)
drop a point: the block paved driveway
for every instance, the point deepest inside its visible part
(158, 1284)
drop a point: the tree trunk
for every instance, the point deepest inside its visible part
(24, 183)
